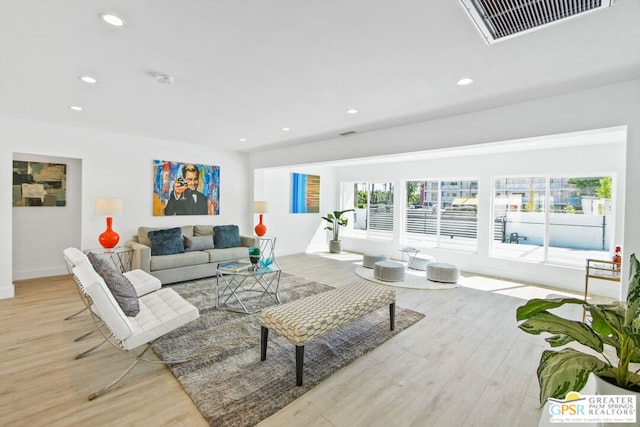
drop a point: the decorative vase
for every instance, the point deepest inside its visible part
(335, 246)
(109, 239)
(254, 257)
(605, 388)
(260, 229)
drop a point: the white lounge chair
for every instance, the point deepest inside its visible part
(161, 312)
(142, 281)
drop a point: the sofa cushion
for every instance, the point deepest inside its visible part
(198, 243)
(186, 259)
(121, 288)
(166, 242)
(226, 236)
(143, 233)
(203, 230)
(228, 254)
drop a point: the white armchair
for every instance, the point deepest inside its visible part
(161, 312)
(143, 283)
(73, 257)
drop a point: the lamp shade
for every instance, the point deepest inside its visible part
(260, 207)
(109, 207)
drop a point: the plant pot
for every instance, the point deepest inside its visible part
(335, 246)
(605, 388)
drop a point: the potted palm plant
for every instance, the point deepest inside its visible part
(336, 221)
(614, 326)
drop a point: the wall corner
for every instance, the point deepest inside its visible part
(7, 291)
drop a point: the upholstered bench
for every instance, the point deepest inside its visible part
(388, 271)
(442, 272)
(369, 260)
(304, 320)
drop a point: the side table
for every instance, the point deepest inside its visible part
(411, 254)
(599, 269)
(120, 256)
(268, 247)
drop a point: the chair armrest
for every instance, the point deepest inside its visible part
(141, 258)
(249, 241)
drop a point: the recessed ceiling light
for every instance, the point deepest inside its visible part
(286, 129)
(352, 111)
(76, 108)
(464, 81)
(88, 79)
(243, 139)
(112, 19)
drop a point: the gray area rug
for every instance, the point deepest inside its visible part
(224, 375)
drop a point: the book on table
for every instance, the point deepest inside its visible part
(234, 266)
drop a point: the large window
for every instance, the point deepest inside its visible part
(373, 204)
(543, 218)
(442, 214)
(555, 219)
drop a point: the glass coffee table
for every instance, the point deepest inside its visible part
(248, 291)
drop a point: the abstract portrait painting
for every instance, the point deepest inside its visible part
(185, 189)
(305, 193)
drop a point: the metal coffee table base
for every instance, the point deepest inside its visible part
(247, 292)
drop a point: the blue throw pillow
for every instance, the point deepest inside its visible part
(226, 236)
(166, 242)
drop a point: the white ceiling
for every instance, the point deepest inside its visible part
(247, 68)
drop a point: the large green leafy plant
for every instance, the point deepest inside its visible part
(336, 221)
(615, 325)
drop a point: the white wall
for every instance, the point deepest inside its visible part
(295, 233)
(597, 108)
(39, 232)
(114, 165)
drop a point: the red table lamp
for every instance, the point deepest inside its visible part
(109, 239)
(260, 208)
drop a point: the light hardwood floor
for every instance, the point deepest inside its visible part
(464, 364)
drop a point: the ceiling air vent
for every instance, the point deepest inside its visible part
(499, 20)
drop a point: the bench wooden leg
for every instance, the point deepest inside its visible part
(299, 364)
(392, 316)
(264, 334)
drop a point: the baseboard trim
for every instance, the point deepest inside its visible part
(36, 274)
(8, 291)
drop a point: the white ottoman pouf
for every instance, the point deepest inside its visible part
(420, 261)
(369, 260)
(442, 272)
(388, 271)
